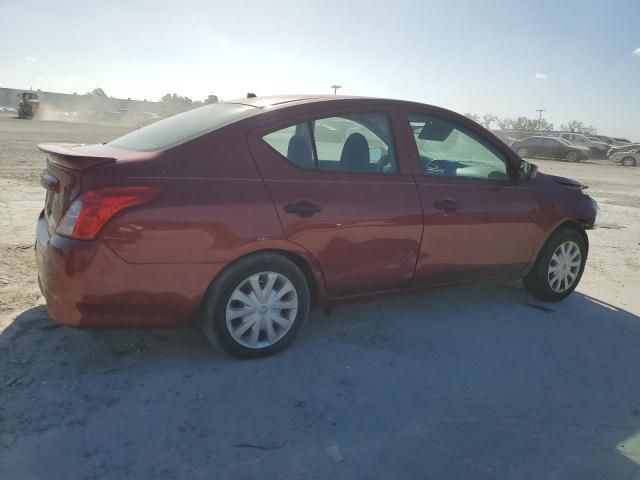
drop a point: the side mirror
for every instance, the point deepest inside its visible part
(375, 154)
(528, 170)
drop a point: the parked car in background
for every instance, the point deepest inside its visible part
(614, 142)
(630, 158)
(550, 147)
(628, 147)
(238, 216)
(598, 149)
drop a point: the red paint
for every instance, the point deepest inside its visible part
(223, 196)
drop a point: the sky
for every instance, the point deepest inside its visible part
(578, 60)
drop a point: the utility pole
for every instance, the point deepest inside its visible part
(335, 88)
(540, 110)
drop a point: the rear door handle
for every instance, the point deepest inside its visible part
(447, 204)
(303, 208)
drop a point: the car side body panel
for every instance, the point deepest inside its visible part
(223, 196)
(367, 235)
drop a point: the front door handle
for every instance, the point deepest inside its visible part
(447, 204)
(303, 208)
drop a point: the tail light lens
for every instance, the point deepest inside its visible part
(88, 213)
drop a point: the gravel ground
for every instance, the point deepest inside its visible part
(473, 382)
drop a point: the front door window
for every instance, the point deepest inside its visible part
(448, 149)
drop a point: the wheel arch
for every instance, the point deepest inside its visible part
(579, 225)
(303, 260)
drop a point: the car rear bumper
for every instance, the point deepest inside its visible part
(85, 284)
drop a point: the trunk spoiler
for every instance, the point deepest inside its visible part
(75, 156)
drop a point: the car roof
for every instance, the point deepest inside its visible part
(277, 100)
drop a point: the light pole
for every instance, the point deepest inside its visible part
(540, 110)
(335, 88)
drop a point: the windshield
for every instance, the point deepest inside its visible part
(185, 126)
(566, 142)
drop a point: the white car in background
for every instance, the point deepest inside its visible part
(627, 159)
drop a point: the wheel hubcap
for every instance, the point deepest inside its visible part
(564, 266)
(627, 162)
(262, 309)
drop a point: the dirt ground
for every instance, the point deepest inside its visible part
(473, 382)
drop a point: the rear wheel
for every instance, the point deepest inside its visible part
(256, 307)
(559, 266)
(628, 162)
(572, 157)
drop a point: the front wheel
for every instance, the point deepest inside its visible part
(256, 307)
(572, 157)
(559, 266)
(628, 162)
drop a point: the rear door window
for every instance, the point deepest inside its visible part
(351, 143)
(293, 143)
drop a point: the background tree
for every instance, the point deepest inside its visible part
(543, 125)
(98, 92)
(488, 119)
(176, 99)
(473, 116)
(505, 123)
(525, 124)
(211, 99)
(578, 127)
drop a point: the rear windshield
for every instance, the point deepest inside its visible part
(185, 126)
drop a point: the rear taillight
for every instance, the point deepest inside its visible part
(88, 213)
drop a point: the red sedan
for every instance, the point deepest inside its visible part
(245, 214)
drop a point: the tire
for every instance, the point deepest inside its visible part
(222, 315)
(572, 157)
(523, 152)
(541, 283)
(628, 162)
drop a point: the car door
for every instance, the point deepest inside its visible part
(580, 140)
(479, 219)
(343, 192)
(554, 148)
(535, 146)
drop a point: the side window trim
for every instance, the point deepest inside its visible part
(314, 149)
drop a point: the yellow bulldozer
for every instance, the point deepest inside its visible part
(29, 105)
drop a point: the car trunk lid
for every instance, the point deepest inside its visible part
(63, 175)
